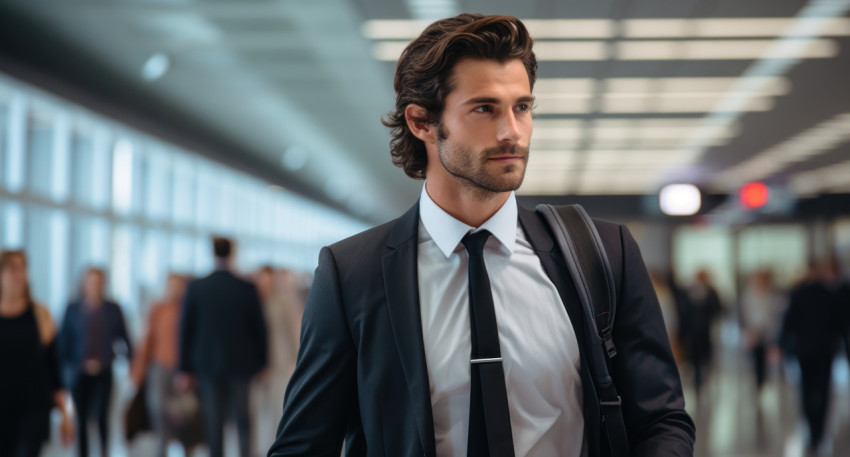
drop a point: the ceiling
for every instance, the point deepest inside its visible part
(631, 95)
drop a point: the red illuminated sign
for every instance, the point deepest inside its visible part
(754, 195)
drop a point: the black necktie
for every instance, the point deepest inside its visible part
(489, 416)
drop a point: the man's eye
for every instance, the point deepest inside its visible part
(483, 109)
(524, 107)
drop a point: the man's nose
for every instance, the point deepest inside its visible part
(509, 128)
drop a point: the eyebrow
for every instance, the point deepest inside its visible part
(492, 100)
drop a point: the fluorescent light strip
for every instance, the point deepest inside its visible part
(401, 29)
(817, 140)
(825, 179)
(813, 20)
(656, 50)
(570, 50)
(720, 49)
(392, 29)
(723, 27)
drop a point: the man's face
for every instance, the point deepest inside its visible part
(483, 137)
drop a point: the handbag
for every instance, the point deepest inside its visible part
(136, 418)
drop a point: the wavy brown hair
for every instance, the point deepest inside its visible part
(424, 70)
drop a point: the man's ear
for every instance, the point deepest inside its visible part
(416, 117)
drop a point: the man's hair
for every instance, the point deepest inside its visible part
(222, 247)
(424, 70)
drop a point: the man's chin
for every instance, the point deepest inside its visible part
(503, 184)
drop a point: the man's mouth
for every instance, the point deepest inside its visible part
(506, 158)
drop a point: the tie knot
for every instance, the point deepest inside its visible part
(474, 242)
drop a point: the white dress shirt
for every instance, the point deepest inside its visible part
(539, 348)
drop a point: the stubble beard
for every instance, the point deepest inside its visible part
(460, 163)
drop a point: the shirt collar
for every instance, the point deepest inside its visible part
(447, 231)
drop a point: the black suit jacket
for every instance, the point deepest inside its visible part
(222, 329)
(361, 371)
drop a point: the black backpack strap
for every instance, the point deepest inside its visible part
(588, 265)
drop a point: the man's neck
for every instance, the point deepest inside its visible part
(222, 264)
(470, 205)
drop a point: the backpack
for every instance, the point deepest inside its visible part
(582, 249)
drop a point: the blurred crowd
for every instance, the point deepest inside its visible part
(223, 347)
(806, 324)
(214, 349)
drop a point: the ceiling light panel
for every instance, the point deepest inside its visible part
(828, 179)
(570, 50)
(723, 27)
(583, 86)
(815, 141)
(569, 28)
(720, 49)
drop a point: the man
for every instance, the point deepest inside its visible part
(223, 344)
(427, 335)
(90, 329)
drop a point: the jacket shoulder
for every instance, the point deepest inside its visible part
(365, 244)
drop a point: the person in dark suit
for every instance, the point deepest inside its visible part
(809, 333)
(702, 309)
(223, 345)
(456, 328)
(90, 330)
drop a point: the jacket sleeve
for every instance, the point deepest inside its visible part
(321, 395)
(644, 370)
(121, 329)
(186, 335)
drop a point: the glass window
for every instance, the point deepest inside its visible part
(709, 248)
(39, 252)
(39, 147)
(82, 164)
(204, 255)
(123, 276)
(12, 227)
(183, 199)
(4, 127)
(122, 176)
(207, 194)
(59, 261)
(781, 248)
(16, 133)
(182, 253)
(158, 181)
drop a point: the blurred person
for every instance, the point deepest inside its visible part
(669, 311)
(388, 363)
(808, 333)
(223, 345)
(31, 384)
(702, 307)
(762, 307)
(840, 287)
(91, 328)
(281, 310)
(155, 364)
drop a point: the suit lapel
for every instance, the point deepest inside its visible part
(402, 291)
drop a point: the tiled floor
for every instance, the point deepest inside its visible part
(731, 420)
(734, 421)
